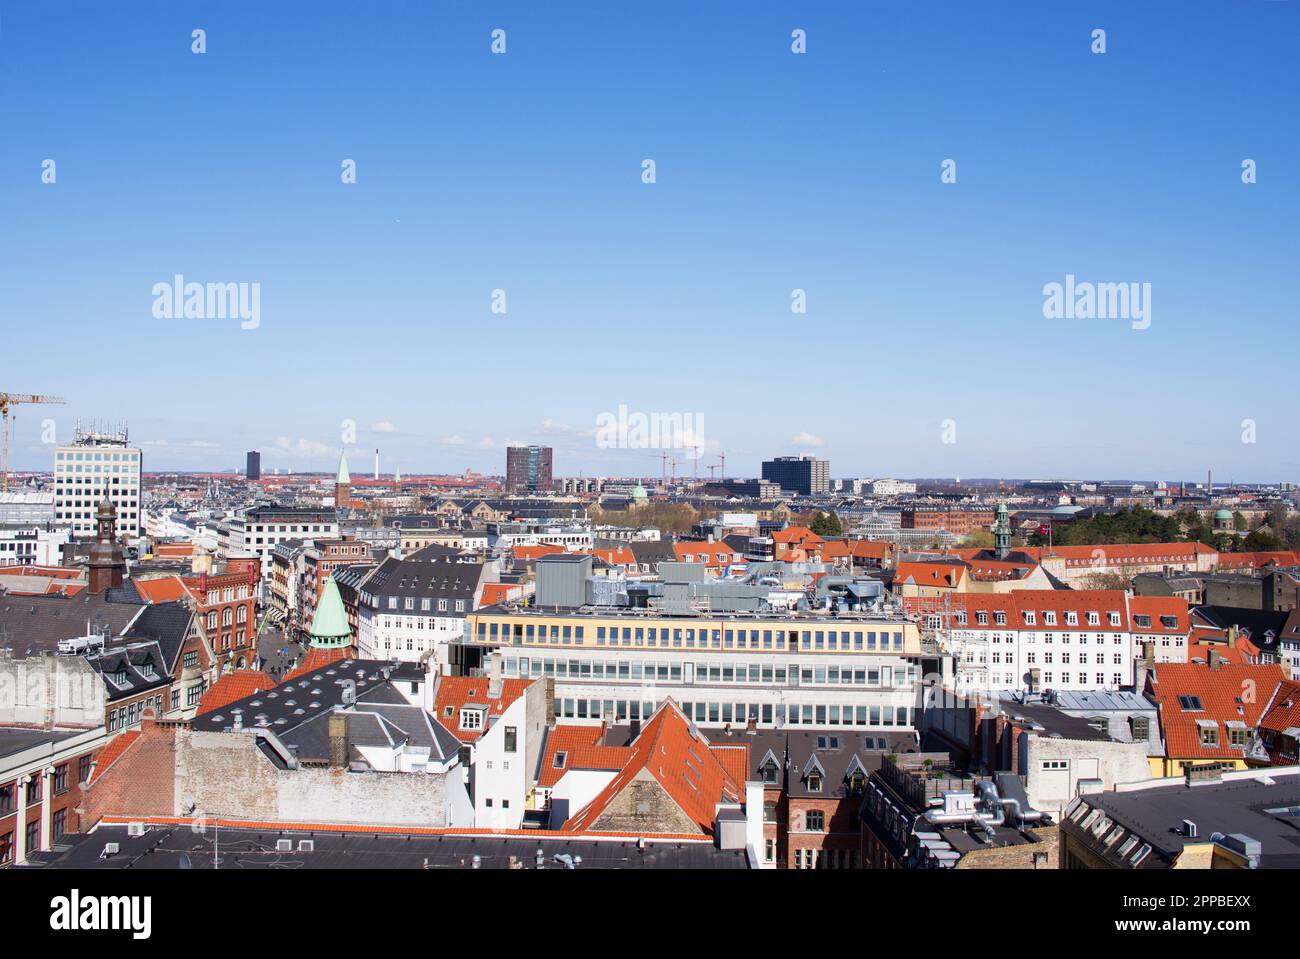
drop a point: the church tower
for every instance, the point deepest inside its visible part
(342, 483)
(1002, 532)
(107, 565)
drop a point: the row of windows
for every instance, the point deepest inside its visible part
(692, 638)
(1049, 679)
(101, 457)
(1049, 639)
(132, 713)
(759, 673)
(427, 604)
(716, 713)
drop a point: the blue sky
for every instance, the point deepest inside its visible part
(775, 171)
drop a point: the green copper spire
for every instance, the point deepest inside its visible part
(1002, 533)
(329, 627)
(342, 475)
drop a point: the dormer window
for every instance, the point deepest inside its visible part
(982, 618)
(1049, 617)
(1094, 619)
(471, 718)
(1029, 619)
(1142, 620)
(770, 772)
(814, 782)
(857, 782)
(561, 757)
(1000, 618)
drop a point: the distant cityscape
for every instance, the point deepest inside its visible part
(808, 654)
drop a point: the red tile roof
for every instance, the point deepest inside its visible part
(583, 748)
(232, 687)
(318, 657)
(1282, 712)
(165, 589)
(695, 775)
(455, 692)
(1227, 693)
(112, 752)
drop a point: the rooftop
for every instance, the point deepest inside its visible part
(177, 846)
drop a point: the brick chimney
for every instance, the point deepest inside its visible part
(495, 682)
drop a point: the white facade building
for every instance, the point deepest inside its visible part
(84, 469)
(1060, 639)
(32, 546)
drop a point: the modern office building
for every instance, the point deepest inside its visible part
(84, 469)
(775, 669)
(253, 471)
(805, 475)
(528, 469)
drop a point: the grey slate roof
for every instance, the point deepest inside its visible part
(163, 848)
(34, 625)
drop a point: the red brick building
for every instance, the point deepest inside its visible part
(958, 520)
(41, 777)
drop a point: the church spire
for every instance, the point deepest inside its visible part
(329, 627)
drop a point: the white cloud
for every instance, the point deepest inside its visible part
(301, 447)
(807, 439)
(203, 445)
(455, 440)
(383, 426)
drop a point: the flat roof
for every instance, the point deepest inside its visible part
(170, 846)
(14, 739)
(1250, 806)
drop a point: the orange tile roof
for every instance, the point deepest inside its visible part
(163, 590)
(621, 556)
(232, 687)
(712, 554)
(1227, 693)
(528, 553)
(1257, 560)
(797, 536)
(318, 657)
(583, 749)
(457, 691)
(930, 574)
(1282, 712)
(858, 548)
(1156, 607)
(112, 752)
(672, 750)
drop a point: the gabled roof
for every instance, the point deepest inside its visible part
(696, 776)
(112, 752)
(233, 686)
(581, 748)
(458, 692)
(162, 590)
(1224, 693)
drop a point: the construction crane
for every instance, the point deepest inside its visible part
(13, 399)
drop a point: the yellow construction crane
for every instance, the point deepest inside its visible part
(13, 399)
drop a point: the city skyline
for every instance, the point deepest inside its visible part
(776, 173)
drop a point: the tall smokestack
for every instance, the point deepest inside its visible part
(376, 463)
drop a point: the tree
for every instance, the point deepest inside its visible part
(826, 524)
(977, 539)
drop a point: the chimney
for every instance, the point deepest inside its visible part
(338, 732)
(494, 677)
